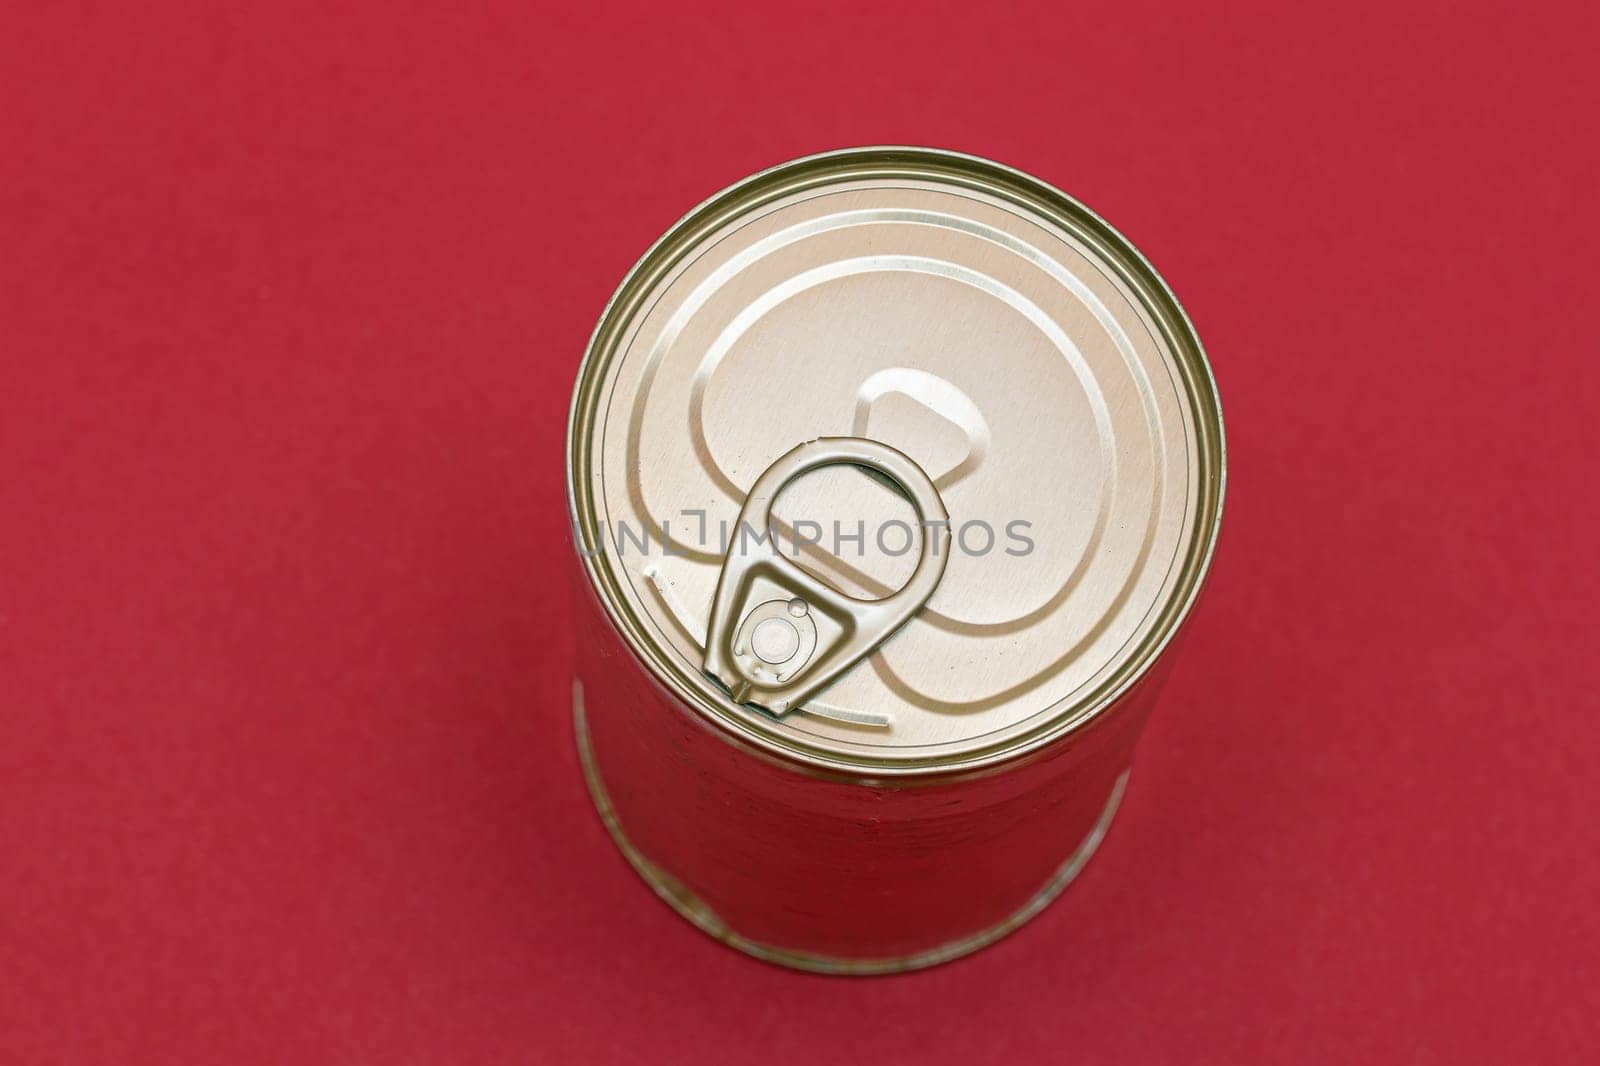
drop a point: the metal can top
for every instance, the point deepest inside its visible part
(991, 329)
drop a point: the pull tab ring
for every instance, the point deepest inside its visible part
(777, 635)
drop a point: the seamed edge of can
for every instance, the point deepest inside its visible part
(1113, 251)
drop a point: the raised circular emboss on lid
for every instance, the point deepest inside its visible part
(999, 336)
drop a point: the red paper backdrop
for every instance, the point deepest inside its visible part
(292, 302)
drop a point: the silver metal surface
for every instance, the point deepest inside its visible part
(778, 635)
(1003, 337)
(681, 897)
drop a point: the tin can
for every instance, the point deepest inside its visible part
(894, 473)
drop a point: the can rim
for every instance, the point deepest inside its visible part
(1112, 250)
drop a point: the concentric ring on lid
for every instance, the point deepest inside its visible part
(986, 325)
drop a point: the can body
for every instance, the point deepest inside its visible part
(864, 754)
(829, 872)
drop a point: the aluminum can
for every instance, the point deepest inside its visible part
(893, 474)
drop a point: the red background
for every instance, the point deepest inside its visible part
(292, 302)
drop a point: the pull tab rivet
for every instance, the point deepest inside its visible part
(775, 641)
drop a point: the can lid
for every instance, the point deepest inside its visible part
(977, 322)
